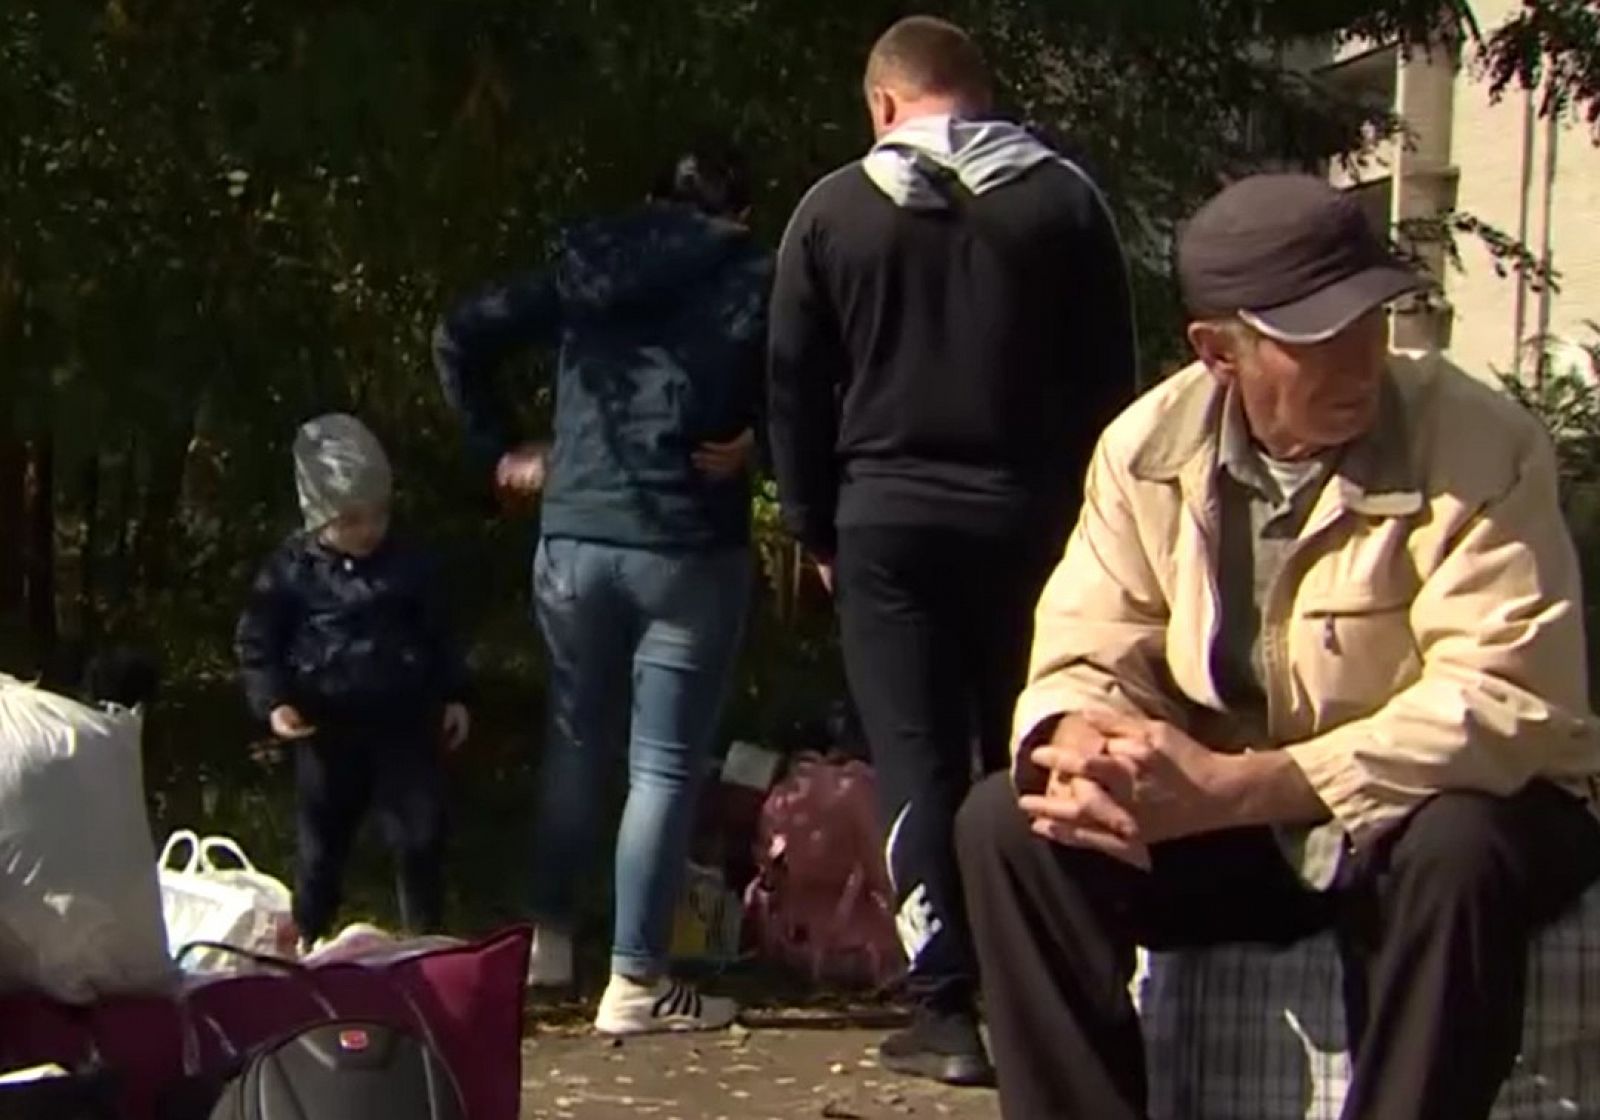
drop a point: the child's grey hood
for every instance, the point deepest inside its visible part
(908, 164)
(338, 463)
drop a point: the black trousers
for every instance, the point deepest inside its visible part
(1434, 924)
(936, 627)
(395, 772)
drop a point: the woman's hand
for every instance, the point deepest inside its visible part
(727, 460)
(519, 476)
(289, 725)
(457, 727)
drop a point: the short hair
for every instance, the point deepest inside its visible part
(1233, 326)
(1235, 329)
(931, 56)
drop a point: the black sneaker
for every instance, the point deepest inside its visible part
(939, 1046)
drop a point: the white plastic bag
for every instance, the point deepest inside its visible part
(272, 929)
(80, 909)
(236, 905)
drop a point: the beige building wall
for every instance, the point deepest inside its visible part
(1535, 180)
(1539, 181)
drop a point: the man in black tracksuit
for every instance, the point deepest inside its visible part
(951, 328)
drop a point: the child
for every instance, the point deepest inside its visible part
(345, 653)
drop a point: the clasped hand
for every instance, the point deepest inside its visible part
(1119, 784)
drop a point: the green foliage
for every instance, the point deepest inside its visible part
(1568, 403)
(1507, 255)
(1552, 46)
(218, 218)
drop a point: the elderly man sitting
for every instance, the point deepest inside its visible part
(1313, 659)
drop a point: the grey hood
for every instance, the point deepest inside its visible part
(907, 164)
(338, 464)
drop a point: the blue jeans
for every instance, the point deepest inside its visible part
(664, 627)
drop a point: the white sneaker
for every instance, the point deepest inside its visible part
(550, 959)
(629, 1007)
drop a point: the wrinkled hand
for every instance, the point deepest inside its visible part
(457, 726)
(1107, 771)
(1179, 787)
(289, 725)
(1083, 801)
(725, 460)
(1173, 785)
(519, 476)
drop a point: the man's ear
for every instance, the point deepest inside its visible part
(1217, 347)
(884, 107)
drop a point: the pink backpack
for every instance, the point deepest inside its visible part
(821, 901)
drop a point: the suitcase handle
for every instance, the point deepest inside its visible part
(272, 964)
(174, 842)
(191, 1043)
(191, 1052)
(227, 845)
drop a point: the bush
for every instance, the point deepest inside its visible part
(1568, 404)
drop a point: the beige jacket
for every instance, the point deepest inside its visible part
(1426, 632)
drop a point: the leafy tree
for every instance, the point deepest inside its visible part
(1567, 401)
(217, 218)
(1552, 46)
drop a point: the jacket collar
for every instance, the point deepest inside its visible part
(1374, 476)
(316, 547)
(1189, 427)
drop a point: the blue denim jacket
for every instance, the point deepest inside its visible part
(660, 320)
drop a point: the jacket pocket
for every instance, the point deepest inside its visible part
(555, 571)
(1356, 653)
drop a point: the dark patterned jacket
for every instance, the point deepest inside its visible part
(343, 638)
(659, 317)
